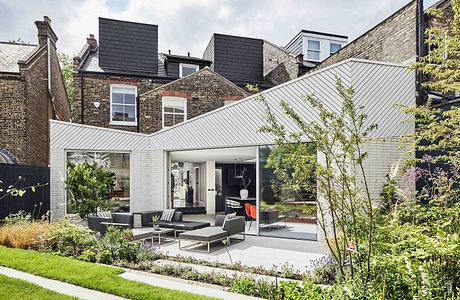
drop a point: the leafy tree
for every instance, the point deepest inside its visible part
(442, 65)
(89, 186)
(346, 211)
(66, 64)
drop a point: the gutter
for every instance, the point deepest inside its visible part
(81, 97)
(420, 47)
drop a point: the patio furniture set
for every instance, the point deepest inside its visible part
(170, 223)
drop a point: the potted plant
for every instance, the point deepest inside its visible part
(245, 182)
(155, 220)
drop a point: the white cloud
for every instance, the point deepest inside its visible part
(187, 26)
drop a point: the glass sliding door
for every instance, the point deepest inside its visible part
(283, 212)
(118, 163)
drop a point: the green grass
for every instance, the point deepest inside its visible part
(16, 289)
(85, 274)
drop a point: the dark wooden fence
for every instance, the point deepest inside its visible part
(37, 203)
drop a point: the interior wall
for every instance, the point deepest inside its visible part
(231, 186)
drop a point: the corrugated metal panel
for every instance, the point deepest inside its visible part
(74, 136)
(378, 86)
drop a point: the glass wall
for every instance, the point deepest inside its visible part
(118, 163)
(283, 212)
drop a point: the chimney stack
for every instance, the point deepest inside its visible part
(44, 31)
(91, 40)
(299, 58)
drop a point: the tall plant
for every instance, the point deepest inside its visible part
(346, 211)
(89, 186)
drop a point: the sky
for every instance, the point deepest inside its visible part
(187, 26)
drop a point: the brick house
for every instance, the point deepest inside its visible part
(109, 78)
(398, 39)
(32, 92)
(110, 75)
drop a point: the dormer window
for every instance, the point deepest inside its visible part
(187, 69)
(313, 50)
(123, 104)
(334, 47)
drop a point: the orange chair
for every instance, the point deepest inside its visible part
(253, 211)
(247, 209)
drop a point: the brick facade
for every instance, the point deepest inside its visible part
(96, 88)
(28, 105)
(279, 65)
(205, 91)
(393, 40)
(12, 116)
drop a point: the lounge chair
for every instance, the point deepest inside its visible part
(212, 234)
(99, 223)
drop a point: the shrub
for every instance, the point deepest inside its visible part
(19, 218)
(69, 239)
(244, 285)
(118, 243)
(324, 270)
(24, 236)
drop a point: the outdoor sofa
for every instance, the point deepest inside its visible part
(99, 222)
(176, 223)
(224, 229)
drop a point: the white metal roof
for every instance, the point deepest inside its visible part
(378, 86)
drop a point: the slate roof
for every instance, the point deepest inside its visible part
(91, 64)
(11, 53)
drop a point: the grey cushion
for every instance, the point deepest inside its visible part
(146, 217)
(204, 234)
(234, 225)
(184, 225)
(123, 218)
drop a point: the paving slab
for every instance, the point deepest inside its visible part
(59, 286)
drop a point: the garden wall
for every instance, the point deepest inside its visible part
(37, 203)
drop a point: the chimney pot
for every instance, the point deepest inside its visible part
(47, 19)
(299, 58)
(188, 54)
(169, 52)
(92, 41)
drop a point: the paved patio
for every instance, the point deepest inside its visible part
(255, 251)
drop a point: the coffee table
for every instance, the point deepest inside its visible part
(144, 233)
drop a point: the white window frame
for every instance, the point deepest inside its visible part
(332, 43)
(171, 113)
(124, 123)
(196, 67)
(314, 50)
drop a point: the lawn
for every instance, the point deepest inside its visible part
(85, 274)
(16, 289)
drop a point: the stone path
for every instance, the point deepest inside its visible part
(58, 286)
(182, 285)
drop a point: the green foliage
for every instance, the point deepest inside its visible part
(88, 275)
(16, 289)
(244, 285)
(19, 218)
(442, 64)
(68, 239)
(346, 215)
(19, 189)
(66, 64)
(118, 244)
(89, 185)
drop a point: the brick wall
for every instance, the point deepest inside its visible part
(204, 90)
(38, 110)
(61, 103)
(12, 116)
(393, 40)
(279, 65)
(97, 89)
